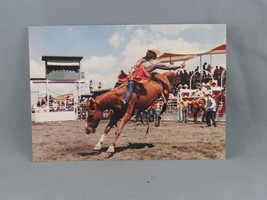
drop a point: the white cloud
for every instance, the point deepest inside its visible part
(96, 63)
(176, 46)
(37, 70)
(116, 39)
(101, 69)
(177, 28)
(143, 40)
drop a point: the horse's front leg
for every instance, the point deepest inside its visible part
(98, 146)
(127, 116)
(122, 124)
(113, 121)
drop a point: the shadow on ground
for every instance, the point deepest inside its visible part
(119, 149)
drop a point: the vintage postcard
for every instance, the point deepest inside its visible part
(128, 92)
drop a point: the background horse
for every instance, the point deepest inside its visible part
(197, 106)
(218, 98)
(221, 97)
(149, 92)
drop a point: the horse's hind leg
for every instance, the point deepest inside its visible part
(164, 108)
(112, 122)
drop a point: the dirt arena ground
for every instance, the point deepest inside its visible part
(172, 140)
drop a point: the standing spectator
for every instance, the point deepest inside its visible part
(209, 68)
(184, 104)
(91, 86)
(224, 89)
(138, 118)
(204, 66)
(99, 85)
(206, 90)
(153, 112)
(211, 111)
(216, 73)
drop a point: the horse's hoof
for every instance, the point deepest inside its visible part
(111, 149)
(97, 148)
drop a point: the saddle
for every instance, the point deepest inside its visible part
(201, 101)
(140, 90)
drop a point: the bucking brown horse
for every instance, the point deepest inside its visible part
(143, 96)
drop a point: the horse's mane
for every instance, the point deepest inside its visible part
(171, 76)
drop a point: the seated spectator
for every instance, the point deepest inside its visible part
(199, 92)
(185, 86)
(179, 87)
(214, 85)
(224, 88)
(208, 89)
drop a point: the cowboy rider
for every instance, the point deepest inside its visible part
(140, 72)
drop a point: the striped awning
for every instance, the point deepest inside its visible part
(217, 50)
(172, 57)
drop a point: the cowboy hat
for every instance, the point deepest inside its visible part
(157, 52)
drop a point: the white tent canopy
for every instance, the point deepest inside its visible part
(172, 57)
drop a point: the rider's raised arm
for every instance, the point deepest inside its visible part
(164, 66)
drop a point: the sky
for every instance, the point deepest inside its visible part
(108, 49)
